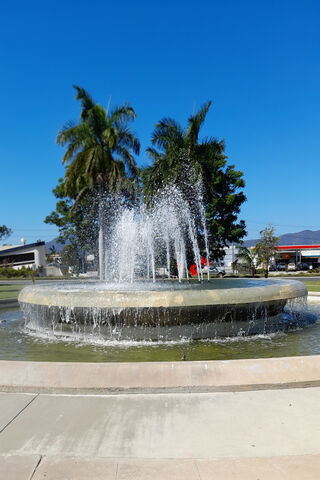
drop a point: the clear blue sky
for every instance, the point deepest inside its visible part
(258, 61)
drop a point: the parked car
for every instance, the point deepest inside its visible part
(214, 271)
(291, 267)
(220, 269)
(162, 272)
(281, 267)
(302, 266)
(272, 268)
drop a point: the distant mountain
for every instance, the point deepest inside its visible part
(54, 243)
(306, 237)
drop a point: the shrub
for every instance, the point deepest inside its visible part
(24, 272)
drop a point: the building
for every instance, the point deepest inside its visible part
(309, 254)
(230, 256)
(32, 255)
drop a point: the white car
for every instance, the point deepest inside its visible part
(291, 267)
(214, 271)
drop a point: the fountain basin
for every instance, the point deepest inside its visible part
(160, 311)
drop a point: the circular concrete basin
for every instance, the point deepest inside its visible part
(169, 310)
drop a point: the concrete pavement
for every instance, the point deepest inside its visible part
(70, 468)
(240, 420)
(209, 425)
(219, 435)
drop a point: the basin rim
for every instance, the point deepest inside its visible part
(278, 290)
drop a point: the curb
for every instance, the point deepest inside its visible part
(160, 377)
(313, 297)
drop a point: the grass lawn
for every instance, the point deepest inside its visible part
(313, 286)
(10, 291)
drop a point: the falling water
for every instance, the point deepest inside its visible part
(203, 222)
(146, 242)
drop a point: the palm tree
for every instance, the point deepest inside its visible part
(248, 256)
(177, 154)
(181, 158)
(99, 153)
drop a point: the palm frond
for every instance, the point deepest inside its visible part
(77, 137)
(122, 114)
(87, 102)
(127, 139)
(126, 158)
(213, 142)
(79, 197)
(153, 153)
(167, 132)
(195, 122)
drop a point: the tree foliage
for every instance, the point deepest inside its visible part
(198, 168)
(78, 224)
(70, 257)
(5, 232)
(248, 256)
(100, 147)
(100, 164)
(265, 247)
(99, 158)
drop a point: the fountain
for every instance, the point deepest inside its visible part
(133, 304)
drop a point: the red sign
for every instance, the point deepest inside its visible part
(193, 268)
(296, 247)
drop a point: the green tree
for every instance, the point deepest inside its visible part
(70, 257)
(265, 247)
(248, 256)
(99, 153)
(180, 158)
(51, 256)
(5, 232)
(77, 223)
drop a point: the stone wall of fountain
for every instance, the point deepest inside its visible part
(160, 312)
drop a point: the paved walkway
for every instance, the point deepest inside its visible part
(265, 434)
(218, 420)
